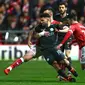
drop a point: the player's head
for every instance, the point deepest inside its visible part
(48, 10)
(72, 18)
(62, 8)
(45, 18)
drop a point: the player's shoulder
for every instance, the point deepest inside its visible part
(68, 15)
(81, 26)
(55, 22)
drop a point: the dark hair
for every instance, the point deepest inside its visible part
(73, 16)
(49, 8)
(62, 3)
(45, 15)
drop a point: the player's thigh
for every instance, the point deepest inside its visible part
(48, 56)
(58, 42)
(38, 52)
(67, 46)
(58, 54)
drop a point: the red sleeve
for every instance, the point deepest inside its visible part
(55, 22)
(68, 34)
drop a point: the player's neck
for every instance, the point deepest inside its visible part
(49, 24)
(51, 19)
(63, 15)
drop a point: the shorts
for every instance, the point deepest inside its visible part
(37, 52)
(33, 49)
(52, 55)
(82, 58)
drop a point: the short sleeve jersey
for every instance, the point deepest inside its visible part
(79, 33)
(50, 41)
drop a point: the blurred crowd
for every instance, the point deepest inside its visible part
(18, 16)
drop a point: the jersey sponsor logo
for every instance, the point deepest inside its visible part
(82, 27)
(47, 59)
(11, 52)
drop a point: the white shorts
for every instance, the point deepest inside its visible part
(33, 49)
(82, 58)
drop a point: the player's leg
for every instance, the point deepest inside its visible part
(49, 57)
(67, 49)
(70, 68)
(82, 58)
(28, 56)
(60, 57)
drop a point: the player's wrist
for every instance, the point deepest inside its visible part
(41, 33)
(61, 44)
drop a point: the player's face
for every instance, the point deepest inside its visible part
(44, 20)
(69, 21)
(62, 9)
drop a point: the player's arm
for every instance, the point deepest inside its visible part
(43, 33)
(29, 38)
(65, 29)
(68, 34)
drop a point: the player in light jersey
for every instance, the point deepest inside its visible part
(78, 31)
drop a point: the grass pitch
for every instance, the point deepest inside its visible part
(36, 73)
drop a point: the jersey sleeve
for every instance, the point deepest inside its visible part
(72, 28)
(68, 34)
(38, 28)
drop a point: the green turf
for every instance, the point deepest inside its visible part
(36, 73)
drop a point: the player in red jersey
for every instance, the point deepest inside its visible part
(78, 31)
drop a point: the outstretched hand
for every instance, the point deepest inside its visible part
(29, 44)
(46, 34)
(59, 46)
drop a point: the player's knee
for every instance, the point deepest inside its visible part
(28, 57)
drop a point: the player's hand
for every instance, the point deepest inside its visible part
(56, 30)
(59, 46)
(46, 34)
(29, 44)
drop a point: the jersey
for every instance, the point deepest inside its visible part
(78, 31)
(60, 19)
(47, 42)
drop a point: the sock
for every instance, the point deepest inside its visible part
(69, 67)
(16, 63)
(61, 73)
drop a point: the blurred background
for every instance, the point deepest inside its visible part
(17, 16)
